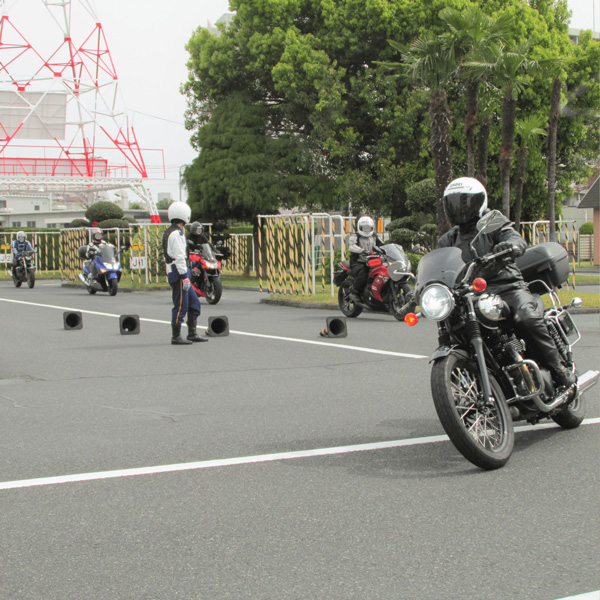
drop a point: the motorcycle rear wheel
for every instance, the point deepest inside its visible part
(113, 287)
(348, 308)
(17, 282)
(486, 440)
(572, 416)
(31, 279)
(214, 290)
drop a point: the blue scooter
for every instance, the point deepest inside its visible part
(103, 271)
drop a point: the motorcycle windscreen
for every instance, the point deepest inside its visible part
(394, 251)
(108, 254)
(442, 265)
(208, 253)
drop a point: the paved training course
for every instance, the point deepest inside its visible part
(270, 463)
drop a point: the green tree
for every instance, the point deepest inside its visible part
(427, 64)
(471, 32)
(163, 204)
(527, 130)
(507, 67)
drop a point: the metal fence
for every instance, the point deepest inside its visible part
(297, 251)
(47, 257)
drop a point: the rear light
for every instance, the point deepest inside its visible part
(479, 284)
(411, 319)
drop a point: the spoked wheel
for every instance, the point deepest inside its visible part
(483, 434)
(347, 306)
(214, 290)
(31, 278)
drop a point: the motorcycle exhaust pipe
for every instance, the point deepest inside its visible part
(585, 382)
(83, 279)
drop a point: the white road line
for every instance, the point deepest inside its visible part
(258, 335)
(246, 460)
(588, 596)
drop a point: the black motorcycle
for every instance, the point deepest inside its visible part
(484, 376)
(24, 270)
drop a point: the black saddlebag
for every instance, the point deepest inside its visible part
(548, 262)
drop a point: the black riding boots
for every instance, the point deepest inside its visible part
(192, 335)
(176, 338)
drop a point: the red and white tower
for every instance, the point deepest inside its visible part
(63, 126)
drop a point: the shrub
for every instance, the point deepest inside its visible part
(79, 223)
(414, 261)
(587, 228)
(102, 211)
(405, 237)
(114, 223)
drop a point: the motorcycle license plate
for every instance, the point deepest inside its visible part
(567, 324)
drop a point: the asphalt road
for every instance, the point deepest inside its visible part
(407, 520)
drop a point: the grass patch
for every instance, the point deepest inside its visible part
(590, 299)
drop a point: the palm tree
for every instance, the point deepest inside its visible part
(507, 67)
(528, 129)
(427, 64)
(471, 32)
(552, 143)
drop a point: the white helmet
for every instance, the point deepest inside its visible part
(21, 236)
(179, 211)
(464, 200)
(365, 226)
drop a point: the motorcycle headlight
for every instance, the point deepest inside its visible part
(437, 302)
(490, 307)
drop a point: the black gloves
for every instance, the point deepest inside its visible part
(502, 247)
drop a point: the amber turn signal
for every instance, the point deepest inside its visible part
(479, 284)
(411, 319)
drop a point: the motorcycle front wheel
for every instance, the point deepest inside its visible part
(214, 290)
(484, 436)
(113, 287)
(399, 300)
(31, 278)
(348, 308)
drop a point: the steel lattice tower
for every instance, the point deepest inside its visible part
(62, 124)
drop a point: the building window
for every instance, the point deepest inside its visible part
(30, 223)
(36, 207)
(16, 224)
(2, 203)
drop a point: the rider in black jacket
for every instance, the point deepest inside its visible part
(465, 202)
(196, 237)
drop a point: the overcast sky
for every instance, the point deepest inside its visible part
(147, 42)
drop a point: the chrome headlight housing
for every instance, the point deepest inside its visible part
(437, 302)
(490, 306)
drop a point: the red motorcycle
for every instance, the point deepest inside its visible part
(205, 273)
(387, 287)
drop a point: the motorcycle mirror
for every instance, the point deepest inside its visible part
(491, 221)
(575, 303)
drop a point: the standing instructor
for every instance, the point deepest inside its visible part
(185, 300)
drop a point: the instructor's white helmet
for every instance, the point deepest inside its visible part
(179, 211)
(21, 236)
(365, 226)
(464, 200)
